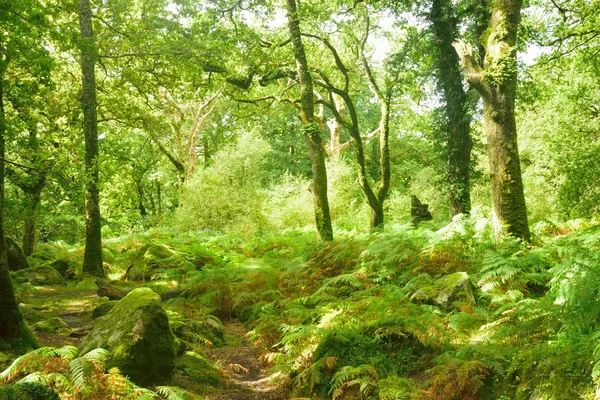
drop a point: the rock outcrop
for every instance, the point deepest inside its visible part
(137, 333)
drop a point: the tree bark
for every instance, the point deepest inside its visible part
(92, 259)
(32, 216)
(314, 141)
(497, 84)
(14, 333)
(456, 108)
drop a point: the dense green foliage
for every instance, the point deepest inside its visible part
(225, 127)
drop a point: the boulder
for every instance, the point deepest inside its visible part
(207, 329)
(447, 290)
(152, 260)
(30, 315)
(62, 266)
(16, 258)
(198, 369)
(136, 331)
(53, 325)
(104, 308)
(40, 275)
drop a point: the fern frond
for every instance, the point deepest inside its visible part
(364, 375)
(21, 364)
(173, 393)
(83, 367)
(99, 356)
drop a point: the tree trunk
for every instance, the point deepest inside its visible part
(456, 108)
(497, 84)
(32, 216)
(92, 259)
(310, 129)
(14, 333)
(140, 192)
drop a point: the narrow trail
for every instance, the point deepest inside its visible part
(250, 380)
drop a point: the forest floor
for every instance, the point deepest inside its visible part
(250, 380)
(248, 377)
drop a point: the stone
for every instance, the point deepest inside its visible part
(447, 290)
(53, 325)
(61, 266)
(198, 369)
(30, 315)
(40, 275)
(207, 329)
(104, 308)
(153, 259)
(16, 258)
(419, 211)
(137, 333)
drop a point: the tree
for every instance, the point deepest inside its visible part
(340, 100)
(92, 261)
(457, 115)
(14, 333)
(312, 135)
(496, 81)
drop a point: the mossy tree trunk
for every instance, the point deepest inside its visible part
(312, 135)
(92, 259)
(456, 108)
(32, 216)
(496, 81)
(14, 333)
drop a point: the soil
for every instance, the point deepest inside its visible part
(250, 378)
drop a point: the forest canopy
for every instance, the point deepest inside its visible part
(269, 176)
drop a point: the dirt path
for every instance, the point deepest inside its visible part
(250, 379)
(72, 306)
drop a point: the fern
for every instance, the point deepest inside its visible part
(173, 393)
(365, 376)
(29, 361)
(83, 367)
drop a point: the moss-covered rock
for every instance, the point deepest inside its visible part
(447, 290)
(39, 275)
(62, 266)
(53, 325)
(157, 259)
(27, 391)
(104, 308)
(198, 369)
(30, 315)
(16, 258)
(208, 329)
(136, 331)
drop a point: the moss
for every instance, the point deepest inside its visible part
(198, 369)
(27, 391)
(53, 325)
(104, 308)
(30, 315)
(396, 388)
(156, 259)
(136, 331)
(39, 275)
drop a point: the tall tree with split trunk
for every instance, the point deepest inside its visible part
(457, 113)
(496, 81)
(310, 128)
(92, 259)
(14, 333)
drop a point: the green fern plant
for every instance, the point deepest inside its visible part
(364, 376)
(83, 368)
(31, 361)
